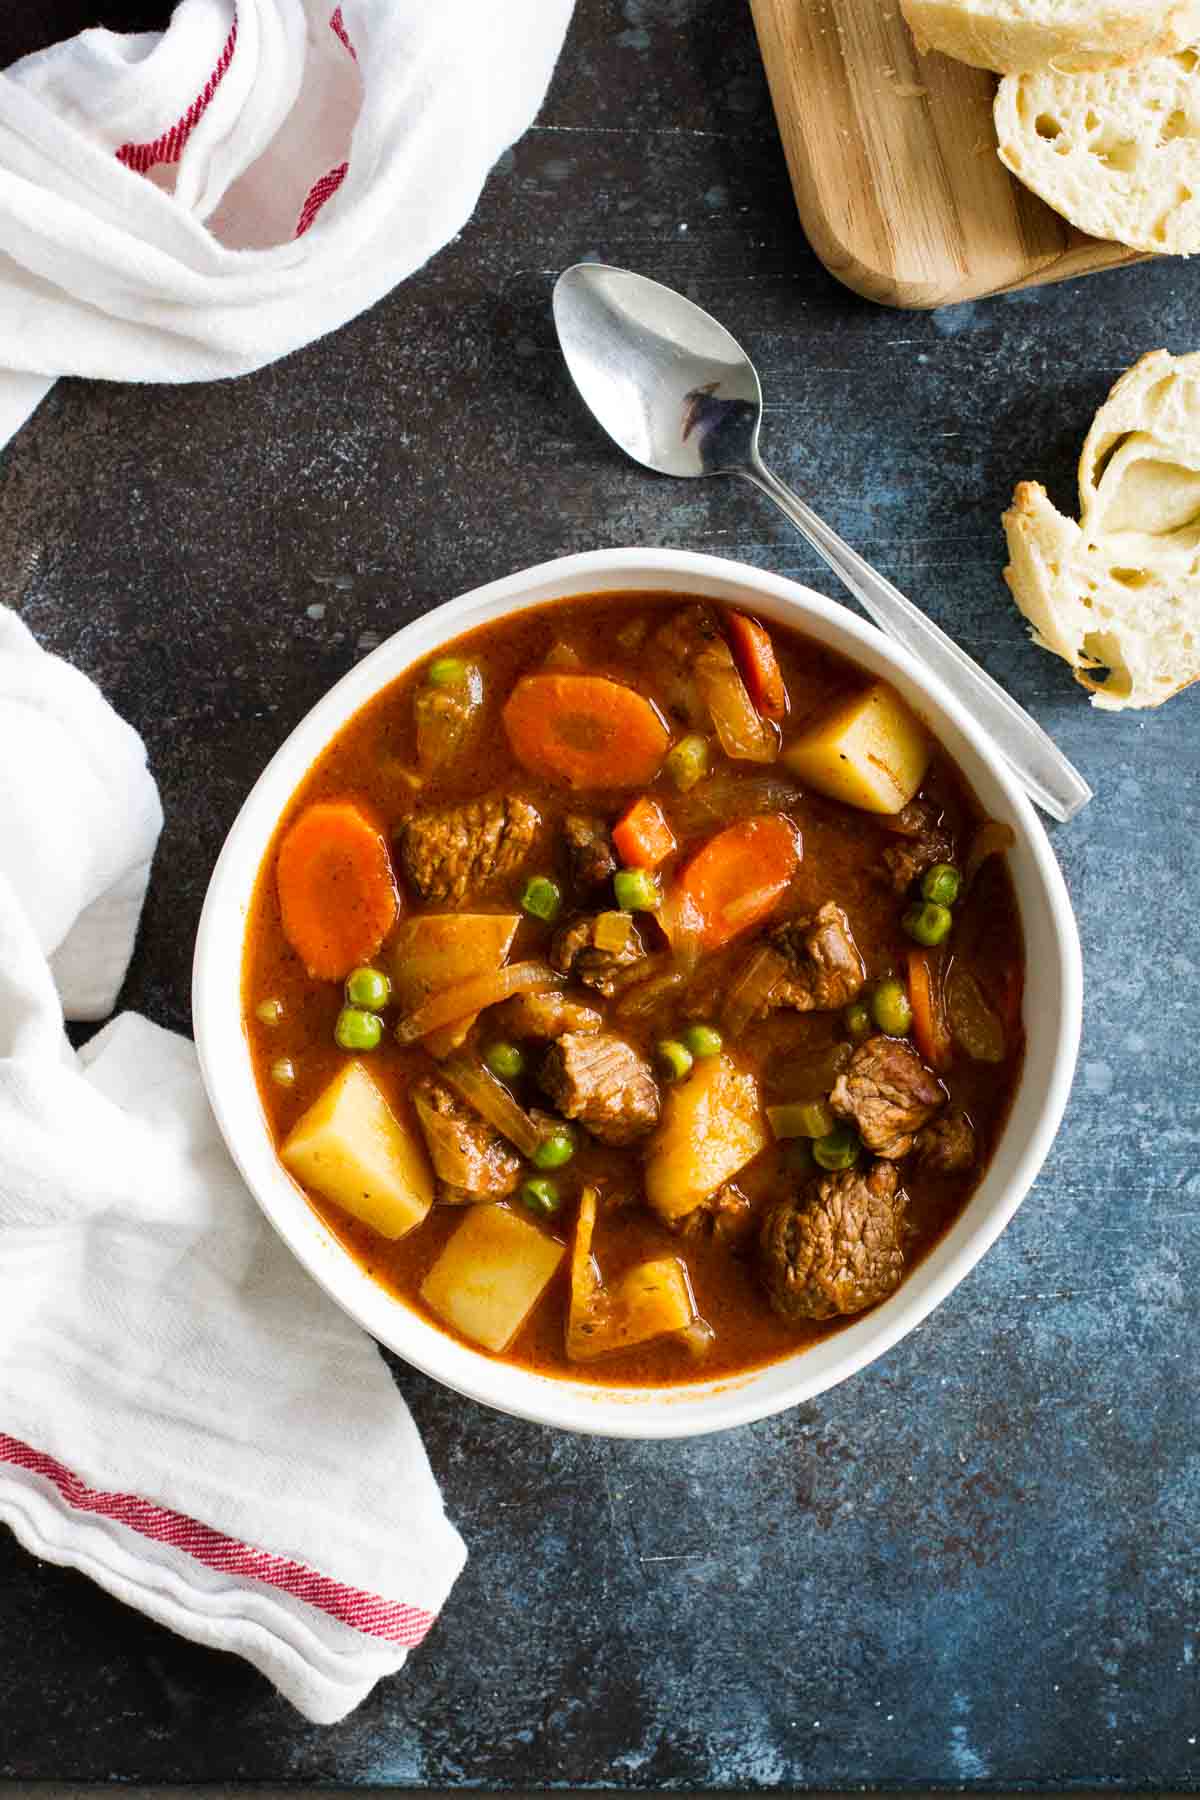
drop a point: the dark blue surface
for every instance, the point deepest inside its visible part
(976, 1562)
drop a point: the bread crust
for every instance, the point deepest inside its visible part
(1125, 600)
(1015, 37)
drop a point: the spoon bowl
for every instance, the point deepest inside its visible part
(680, 396)
(656, 371)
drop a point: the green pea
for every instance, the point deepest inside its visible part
(702, 1041)
(541, 1196)
(447, 671)
(675, 1059)
(555, 1149)
(687, 762)
(839, 1150)
(857, 1021)
(357, 1029)
(636, 890)
(928, 923)
(542, 898)
(941, 884)
(368, 987)
(283, 1072)
(891, 1009)
(269, 1012)
(504, 1060)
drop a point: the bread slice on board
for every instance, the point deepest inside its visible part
(1013, 36)
(1116, 152)
(1118, 594)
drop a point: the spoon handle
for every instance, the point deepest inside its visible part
(1039, 764)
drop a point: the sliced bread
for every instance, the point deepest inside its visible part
(1117, 153)
(1118, 594)
(1013, 36)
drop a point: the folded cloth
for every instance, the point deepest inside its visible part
(184, 1415)
(194, 203)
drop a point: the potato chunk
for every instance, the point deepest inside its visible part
(440, 950)
(712, 1126)
(869, 752)
(651, 1300)
(350, 1148)
(491, 1275)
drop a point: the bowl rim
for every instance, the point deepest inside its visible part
(691, 1409)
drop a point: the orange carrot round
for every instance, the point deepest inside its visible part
(758, 665)
(337, 893)
(739, 877)
(585, 730)
(641, 836)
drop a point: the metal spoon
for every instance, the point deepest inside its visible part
(681, 396)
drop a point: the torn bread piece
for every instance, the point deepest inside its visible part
(1117, 153)
(1118, 594)
(1017, 36)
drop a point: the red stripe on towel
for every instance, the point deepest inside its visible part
(368, 1613)
(169, 147)
(318, 194)
(338, 26)
(328, 185)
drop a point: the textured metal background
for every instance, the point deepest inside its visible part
(977, 1562)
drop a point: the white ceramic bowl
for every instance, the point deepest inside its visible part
(1053, 1009)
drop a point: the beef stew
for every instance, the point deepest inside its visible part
(635, 990)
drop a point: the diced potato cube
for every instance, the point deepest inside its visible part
(491, 1275)
(433, 951)
(651, 1300)
(712, 1126)
(350, 1148)
(869, 752)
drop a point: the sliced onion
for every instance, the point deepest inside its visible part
(745, 736)
(472, 996)
(698, 1338)
(992, 839)
(727, 797)
(972, 1020)
(752, 989)
(646, 995)
(681, 923)
(492, 1101)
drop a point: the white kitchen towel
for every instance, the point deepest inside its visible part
(193, 203)
(184, 1415)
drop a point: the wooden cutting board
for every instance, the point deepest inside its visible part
(893, 159)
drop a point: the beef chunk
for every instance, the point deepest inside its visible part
(454, 851)
(888, 1094)
(470, 1159)
(589, 850)
(837, 1250)
(574, 952)
(825, 969)
(923, 842)
(946, 1146)
(602, 1081)
(546, 1015)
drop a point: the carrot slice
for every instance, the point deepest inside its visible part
(337, 893)
(642, 837)
(585, 730)
(740, 876)
(930, 1026)
(759, 665)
